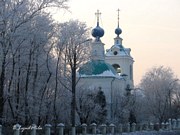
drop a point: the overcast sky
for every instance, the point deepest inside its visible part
(151, 28)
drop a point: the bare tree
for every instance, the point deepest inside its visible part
(122, 104)
(158, 86)
(19, 20)
(73, 38)
(176, 102)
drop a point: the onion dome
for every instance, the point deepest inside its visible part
(97, 32)
(118, 31)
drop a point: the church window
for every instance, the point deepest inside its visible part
(115, 52)
(117, 41)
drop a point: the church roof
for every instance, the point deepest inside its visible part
(97, 68)
(118, 50)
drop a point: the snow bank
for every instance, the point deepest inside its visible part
(153, 133)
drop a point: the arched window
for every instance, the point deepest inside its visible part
(117, 68)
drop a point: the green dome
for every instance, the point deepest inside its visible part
(97, 67)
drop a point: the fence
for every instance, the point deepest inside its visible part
(84, 129)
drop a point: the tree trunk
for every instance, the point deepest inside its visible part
(73, 103)
(2, 78)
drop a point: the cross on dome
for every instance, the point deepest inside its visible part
(98, 15)
(97, 32)
(118, 16)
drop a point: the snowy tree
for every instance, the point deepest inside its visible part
(122, 103)
(73, 43)
(91, 106)
(158, 86)
(100, 99)
(176, 102)
(25, 30)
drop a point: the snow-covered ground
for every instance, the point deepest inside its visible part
(153, 133)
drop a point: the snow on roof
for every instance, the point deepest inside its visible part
(104, 74)
(97, 67)
(121, 51)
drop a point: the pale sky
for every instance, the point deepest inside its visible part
(151, 28)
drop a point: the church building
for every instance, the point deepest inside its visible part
(112, 71)
(120, 58)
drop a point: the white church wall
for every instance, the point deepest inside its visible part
(111, 86)
(124, 63)
(96, 83)
(107, 84)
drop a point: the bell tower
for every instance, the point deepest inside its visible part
(120, 58)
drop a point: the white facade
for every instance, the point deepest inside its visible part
(107, 84)
(111, 86)
(120, 58)
(97, 52)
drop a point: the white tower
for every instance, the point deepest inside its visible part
(120, 58)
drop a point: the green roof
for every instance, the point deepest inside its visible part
(96, 67)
